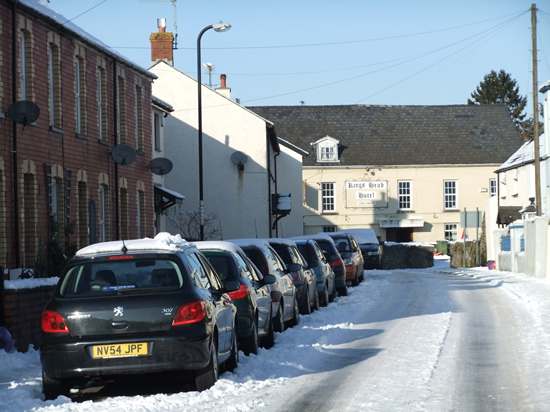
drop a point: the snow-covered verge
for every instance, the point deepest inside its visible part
(290, 363)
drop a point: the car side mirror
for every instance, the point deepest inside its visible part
(269, 279)
(232, 285)
(313, 264)
(293, 267)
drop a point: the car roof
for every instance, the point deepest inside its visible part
(163, 242)
(250, 242)
(281, 241)
(218, 245)
(362, 235)
(322, 236)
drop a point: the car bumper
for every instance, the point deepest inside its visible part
(371, 262)
(72, 358)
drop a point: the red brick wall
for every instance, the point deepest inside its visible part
(38, 145)
(23, 309)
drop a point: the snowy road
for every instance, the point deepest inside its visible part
(404, 340)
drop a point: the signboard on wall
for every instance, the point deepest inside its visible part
(371, 193)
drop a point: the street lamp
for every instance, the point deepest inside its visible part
(220, 27)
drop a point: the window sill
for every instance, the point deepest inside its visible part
(105, 142)
(405, 211)
(452, 210)
(82, 136)
(56, 129)
(329, 212)
(139, 152)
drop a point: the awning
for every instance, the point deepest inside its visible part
(386, 222)
(508, 214)
(165, 198)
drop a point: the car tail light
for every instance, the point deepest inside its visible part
(295, 276)
(53, 322)
(121, 257)
(336, 263)
(239, 294)
(190, 313)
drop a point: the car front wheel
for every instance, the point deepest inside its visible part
(279, 321)
(296, 318)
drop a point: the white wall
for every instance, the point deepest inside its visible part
(239, 199)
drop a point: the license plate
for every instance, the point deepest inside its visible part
(120, 350)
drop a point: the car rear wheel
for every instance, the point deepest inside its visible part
(355, 280)
(269, 340)
(343, 291)
(233, 361)
(306, 307)
(323, 297)
(251, 343)
(53, 388)
(296, 318)
(279, 321)
(206, 378)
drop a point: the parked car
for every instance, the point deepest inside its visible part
(303, 278)
(136, 307)
(333, 257)
(326, 286)
(253, 299)
(350, 252)
(369, 245)
(285, 311)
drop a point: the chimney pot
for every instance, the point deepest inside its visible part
(223, 77)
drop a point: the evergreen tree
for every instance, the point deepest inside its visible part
(501, 88)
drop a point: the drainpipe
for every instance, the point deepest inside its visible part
(268, 183)
(276, 191)
(14, 134)
(115, 101)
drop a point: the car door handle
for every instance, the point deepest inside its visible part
(119, 325)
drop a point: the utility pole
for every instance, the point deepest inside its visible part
(536, 110)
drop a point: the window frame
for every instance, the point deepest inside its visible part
(450, 229)
(328, 197)
(404, 198)
(450, 195)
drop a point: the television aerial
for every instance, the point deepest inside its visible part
(160, 166)
(124, 154)
(239, 159)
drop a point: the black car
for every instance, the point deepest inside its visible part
(137, 307)
(253, 299)
(333, 257)
(369, 245)
(303, 278)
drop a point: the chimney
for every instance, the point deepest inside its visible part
(223, 89)
(162, 44)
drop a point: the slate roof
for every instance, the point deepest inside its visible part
(400, 135)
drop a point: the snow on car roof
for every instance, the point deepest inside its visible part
(282, 241)
(362, 235)
(323, 236)
(250, 242)
(218, 245)
(162, 242)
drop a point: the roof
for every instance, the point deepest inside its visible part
(524, 155)
(59, 21)
(161, 104)
(401, 135)
(162, 242)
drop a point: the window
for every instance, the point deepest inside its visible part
(492, 187)
(101, 104)
(139, 119)
(68, 180)
(327, 153)
(157, 124)
(80, 94)
(451, 231)
(326, 149)
(329, 229)
(30, 236)
(450, 195)
(121, 111)
(404, 195)
(54, 78)
(515, 188)
(503, 185)
(23, 67)
(141, 214)
(102, 213)
(82, 214)
(328, 197)
(124, 217)
(198, 272)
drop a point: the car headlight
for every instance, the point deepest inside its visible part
(348, 261)
(372, 253)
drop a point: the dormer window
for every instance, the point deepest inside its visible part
(326, 150)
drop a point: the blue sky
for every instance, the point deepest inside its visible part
(328, 52)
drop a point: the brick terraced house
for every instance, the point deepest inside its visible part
(60, 186)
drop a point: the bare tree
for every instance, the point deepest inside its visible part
(188, 224)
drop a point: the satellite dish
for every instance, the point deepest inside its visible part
(24, 112)
(124, 154)
(239, 159)
(160, 166)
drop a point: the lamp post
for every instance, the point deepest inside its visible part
(220, 27)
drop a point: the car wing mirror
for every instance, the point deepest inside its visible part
(293, 267)
(269, 279)
(232, 286)
(313, 264)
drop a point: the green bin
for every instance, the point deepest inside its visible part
(441, 247)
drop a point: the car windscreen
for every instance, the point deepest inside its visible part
(130, 275)
(283, 252)
(223, 264)
(306, 252)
